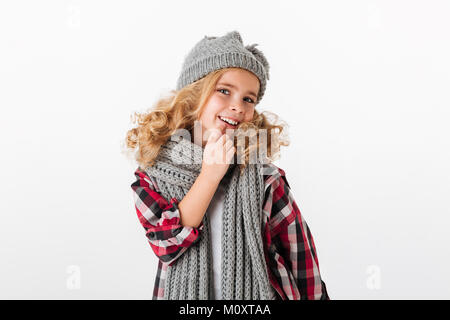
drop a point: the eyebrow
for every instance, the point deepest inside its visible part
(234, 87)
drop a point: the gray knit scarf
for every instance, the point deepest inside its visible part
(244, 269)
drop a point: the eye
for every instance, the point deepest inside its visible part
(250, 100)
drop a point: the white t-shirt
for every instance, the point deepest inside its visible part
(214, 211)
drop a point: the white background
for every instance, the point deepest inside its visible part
(363, 85)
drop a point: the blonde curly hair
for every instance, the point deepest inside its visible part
(180, 109)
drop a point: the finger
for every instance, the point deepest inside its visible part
(229, 149)
(230, 155)
(223, 138)
(221, 150)
(220, 142)
(213, 136)
(228, 144)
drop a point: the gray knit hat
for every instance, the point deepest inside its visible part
(213, 53)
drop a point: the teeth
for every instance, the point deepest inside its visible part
(229, 121)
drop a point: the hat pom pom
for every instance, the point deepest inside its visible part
(259, 56)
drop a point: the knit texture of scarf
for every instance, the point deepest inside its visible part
(244, 270)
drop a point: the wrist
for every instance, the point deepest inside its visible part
(208, 177)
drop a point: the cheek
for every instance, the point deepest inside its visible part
(210, 114)
(249, 115)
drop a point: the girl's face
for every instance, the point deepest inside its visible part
(234, 98)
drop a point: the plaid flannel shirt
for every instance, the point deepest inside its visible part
(289, 248)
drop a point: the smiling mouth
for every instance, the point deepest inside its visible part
(228, 122)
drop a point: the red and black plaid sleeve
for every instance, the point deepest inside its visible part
(293, 257)
(161, 220)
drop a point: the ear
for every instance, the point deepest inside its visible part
(235, 35)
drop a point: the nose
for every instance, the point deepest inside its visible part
(237, 107)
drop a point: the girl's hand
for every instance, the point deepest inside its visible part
(217, 156)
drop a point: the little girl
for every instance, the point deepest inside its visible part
(223, 225)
